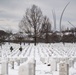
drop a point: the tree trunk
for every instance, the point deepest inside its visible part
(47, 35)
(35, 41)
(35, 35)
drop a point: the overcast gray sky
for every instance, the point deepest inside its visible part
(12, 11)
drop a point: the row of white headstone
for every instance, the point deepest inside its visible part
(63, 63)
(28, 68)
(5, 61)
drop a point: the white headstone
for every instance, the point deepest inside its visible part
(42, 59)
(12, 64)
(71, 63)
(0, 54)
(64, 60)
(22, 60)
(4, 68)
(53, 64)
(63, 68)
(32, 65)
(27, 68)
(47, 60)
(18, 62)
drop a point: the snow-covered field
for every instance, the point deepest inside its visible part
(42, 53)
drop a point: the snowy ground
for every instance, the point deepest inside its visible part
(57, 50)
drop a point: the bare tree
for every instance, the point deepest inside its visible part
(46, 28)
(32, 21)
